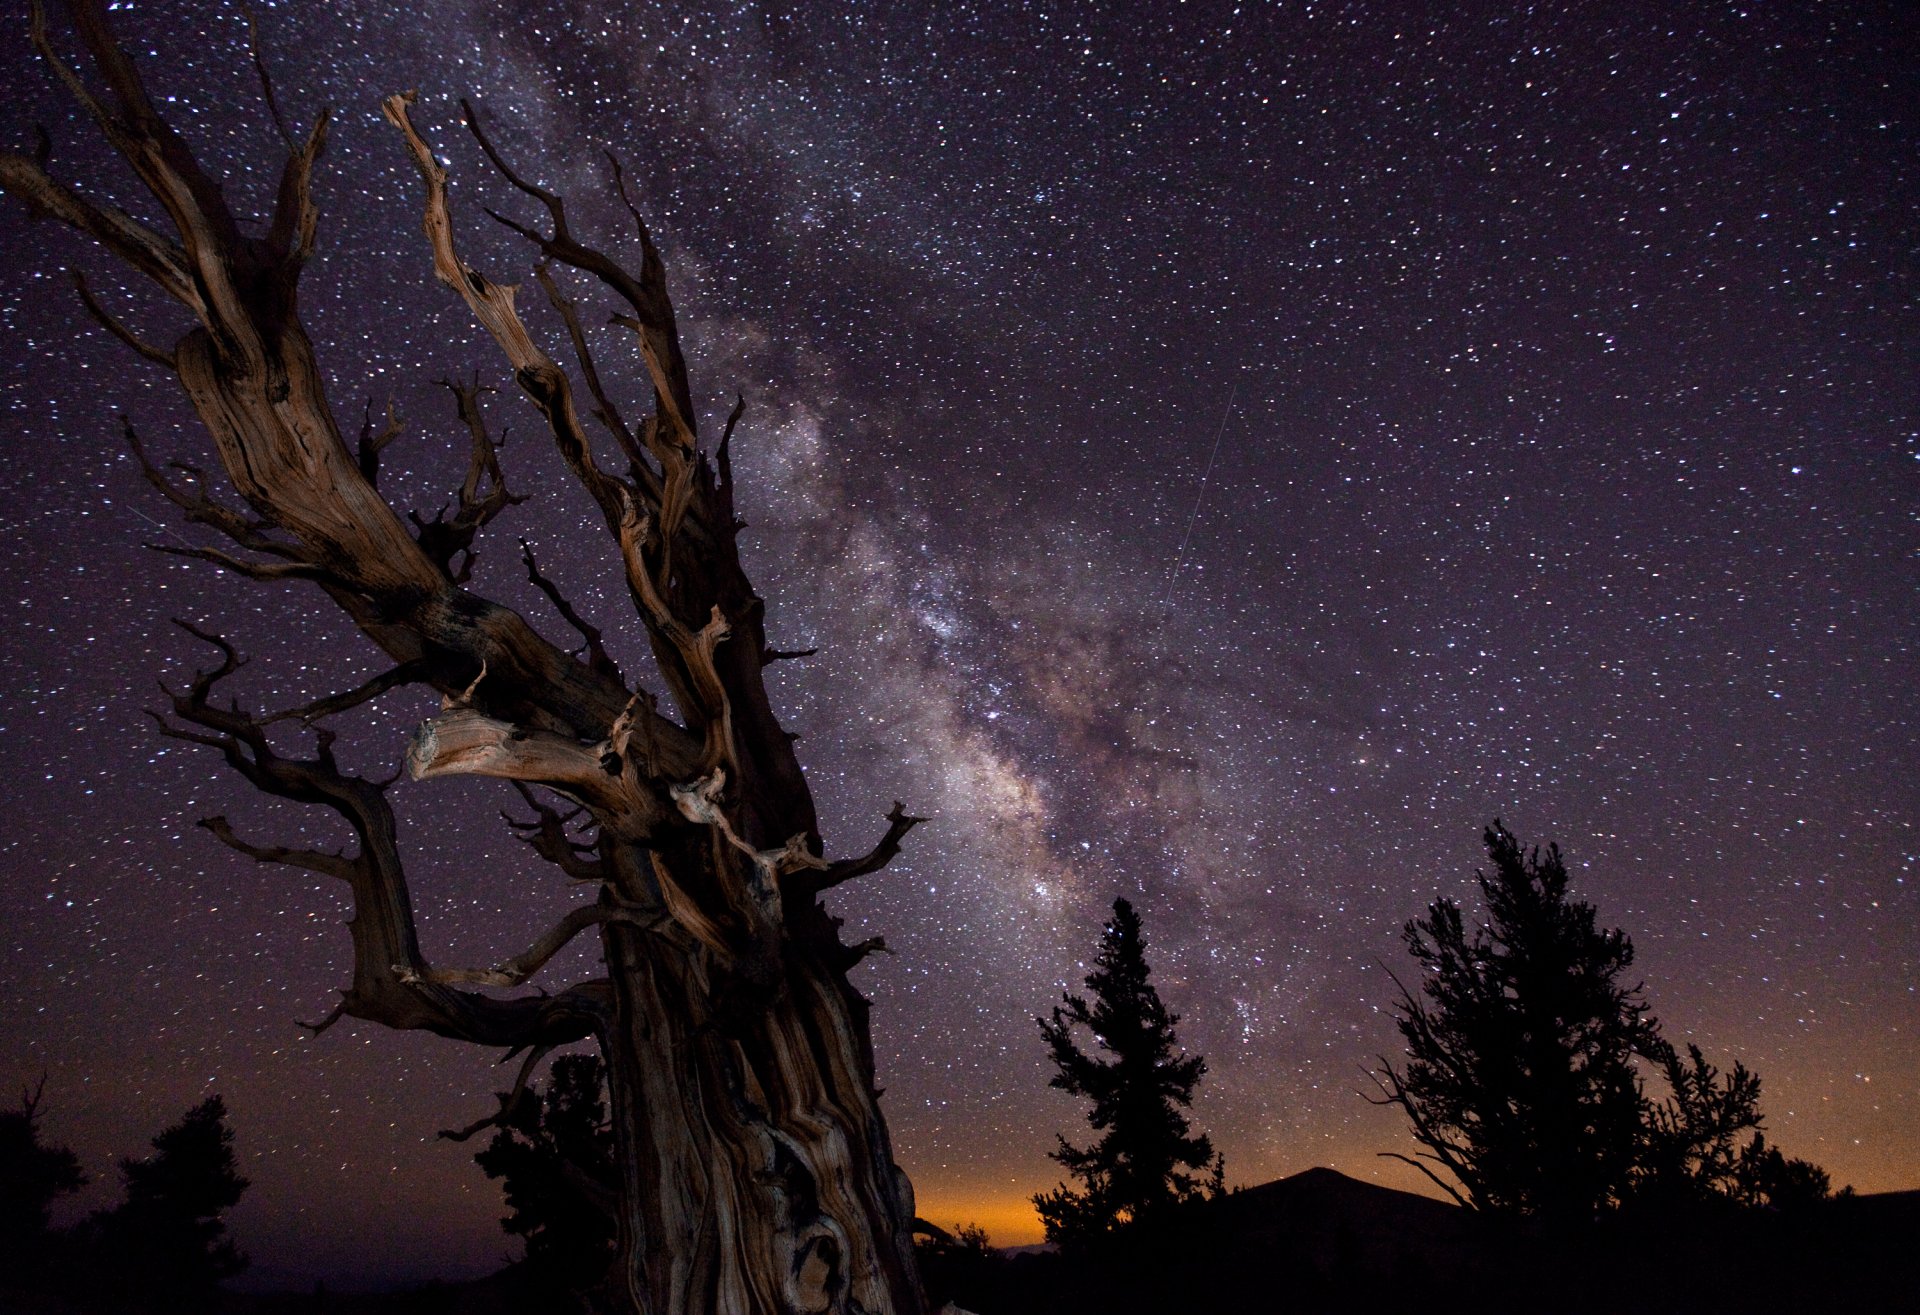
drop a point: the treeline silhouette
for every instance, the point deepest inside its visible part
(1592, 1165)
(163, 1248)
(1599, 1167)
(1525, 1086)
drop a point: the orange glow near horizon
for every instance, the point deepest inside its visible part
(1872, 1149)
(1010, 1220)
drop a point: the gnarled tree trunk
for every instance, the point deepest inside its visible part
(755, 1169)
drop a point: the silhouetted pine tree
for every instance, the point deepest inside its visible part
(1144, 1160)
(1763, 1178)
(1520, 1079)
(32, 1176)
(1693, 1154)
(1692, 1150)
(167, 1243)
(554, 1153)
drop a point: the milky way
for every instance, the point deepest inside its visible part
(1224, 456)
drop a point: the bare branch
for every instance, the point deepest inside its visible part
(768, 656)
(313, 860)
(463, 741)
(1445, 1154)
(547, 834)
(899, 822)
(724, 455)
(597, 656)
(407, 673)
(266, 81)
(660, 342)
(230, 661)
(141, 346)
(464, 699)
(444, 538)
(687, 656)
(334, 1015)
(757, 898)
(507, 1100)
(30, 1100)
(157, 257)
(493, 305)
(165, 164)
(675, 421)
(371, 445)
(203, 510)
(556, 208)
(389, 982)
(604, 409)
(531, 960)
(76, 87)
(296, 220)
(647, 295)
(254, 570)
(855, 953)
(1437, 1181)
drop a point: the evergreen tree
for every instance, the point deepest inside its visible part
(1693, 1153)
(1146, 1158)
(1520, 1079)
(167, 1242)
(554, 1153)
(32, 1176)
(1692, 1150)
(1763, 1178)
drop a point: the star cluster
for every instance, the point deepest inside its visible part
(1224, 454)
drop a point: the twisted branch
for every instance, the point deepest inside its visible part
(514, 971)
(444, 538)
(899, 822)
(547, 834)
(143, 348)
(597, 656)
(391, 981)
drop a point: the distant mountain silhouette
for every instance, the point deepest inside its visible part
(1320, 1205)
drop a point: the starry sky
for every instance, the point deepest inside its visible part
(1225, 455)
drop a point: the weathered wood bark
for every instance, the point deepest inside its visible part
(755, 1169)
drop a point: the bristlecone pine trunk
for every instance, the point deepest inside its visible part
(755, 1169)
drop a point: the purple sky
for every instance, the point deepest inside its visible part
(1225, 456)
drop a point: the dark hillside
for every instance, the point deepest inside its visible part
(1323, 1242)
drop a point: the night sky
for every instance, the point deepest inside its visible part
(1224, 455)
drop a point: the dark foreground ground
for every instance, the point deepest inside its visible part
(1323, 1242)
(1320, 1243)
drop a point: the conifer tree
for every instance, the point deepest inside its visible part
(167, 1242)
(1693, 1155)
(32, 1176)
(1693, 1149)
(1520, 1079)
(1146, 1158)
(554, 1153)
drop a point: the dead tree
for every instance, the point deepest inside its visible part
(755, 1171)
